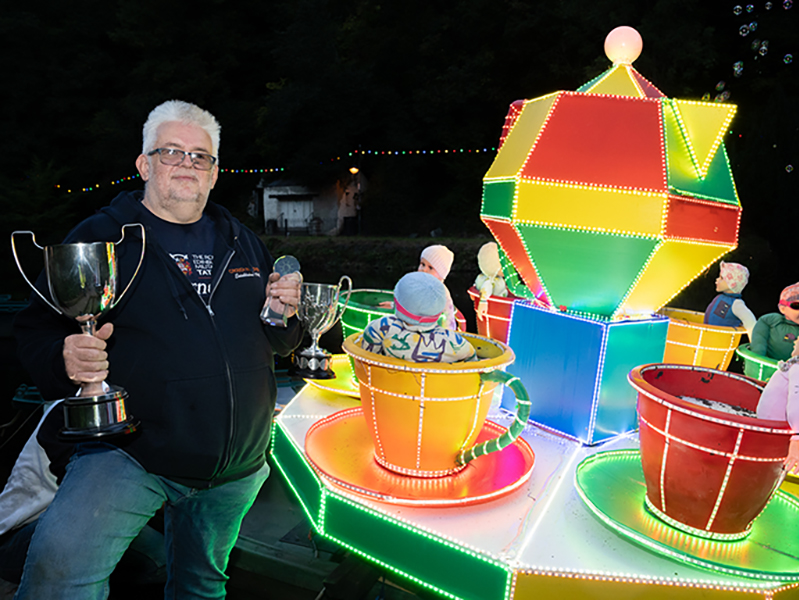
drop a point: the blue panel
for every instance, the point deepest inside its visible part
(557, 357)
(630, 344)
(575, 369)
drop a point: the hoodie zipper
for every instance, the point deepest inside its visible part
(228, 375)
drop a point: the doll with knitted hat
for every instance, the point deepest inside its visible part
(437, 261)
(728, 308)
(775, 333)
(412, 332)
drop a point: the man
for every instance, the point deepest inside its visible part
(187, 344)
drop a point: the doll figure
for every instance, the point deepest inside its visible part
(728, 308)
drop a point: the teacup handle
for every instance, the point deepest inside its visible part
(22, 271)
(338, 312)
(515, 429)
(141, 258)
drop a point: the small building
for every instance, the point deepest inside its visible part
(289, 207)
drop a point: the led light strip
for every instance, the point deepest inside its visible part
(714, 451)
(730, 465)
(704, 417)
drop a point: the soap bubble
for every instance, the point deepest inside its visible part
(750, 8)
(755, 44)
(763, 48)
(737, 10)
(720, 86)
(787, 59)
(723, 96)
(744, 30)
(738, 68)
(787, 4)
(768, 5)
(753, 26)
(789, 168)
(706, 96)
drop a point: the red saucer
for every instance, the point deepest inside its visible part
(341, 450)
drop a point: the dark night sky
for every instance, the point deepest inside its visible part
(298, 83)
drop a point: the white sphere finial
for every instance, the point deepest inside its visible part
(623, 45)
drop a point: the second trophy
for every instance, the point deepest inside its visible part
(319, 310)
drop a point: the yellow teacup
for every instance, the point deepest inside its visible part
(425, 417)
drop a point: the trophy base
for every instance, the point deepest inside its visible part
(312, 365)
(93, 417)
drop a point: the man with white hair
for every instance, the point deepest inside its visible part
(187, 344)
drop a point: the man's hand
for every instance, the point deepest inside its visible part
(85, 358)
(284, 293)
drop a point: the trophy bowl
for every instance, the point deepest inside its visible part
(82, 284)
(319, 310)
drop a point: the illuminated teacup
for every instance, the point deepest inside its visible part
(708, 472)
(425, 417)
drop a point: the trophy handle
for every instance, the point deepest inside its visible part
(22, 271)
(141, 258)
(338, 312)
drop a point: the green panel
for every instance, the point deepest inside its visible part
(362, 308)
(298, 474)
(682, 174)
(629, 344)
(513, 281)
(425, 558)
(498, 198)
(586, 271)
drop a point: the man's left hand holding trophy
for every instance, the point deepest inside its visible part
(283, 292)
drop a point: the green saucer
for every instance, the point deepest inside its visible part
(612, 485)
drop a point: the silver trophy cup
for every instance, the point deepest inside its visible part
(319, 310)
(82, 281)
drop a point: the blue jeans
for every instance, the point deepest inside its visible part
(106, 498)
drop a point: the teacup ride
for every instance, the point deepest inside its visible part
(704, 487)
(690, 341)
(421, 436)
(756, 366)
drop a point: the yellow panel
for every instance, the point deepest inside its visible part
(705, 125)
(604, 209)
(673, 265)
(619, 82)
(535, 587)
(520, 140)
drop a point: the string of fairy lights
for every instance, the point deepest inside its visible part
(352, 155)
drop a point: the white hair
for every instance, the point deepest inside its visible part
(182, 112)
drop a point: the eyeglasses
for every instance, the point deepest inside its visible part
(173, 157)
(793, 305)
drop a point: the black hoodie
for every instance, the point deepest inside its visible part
(199, 378)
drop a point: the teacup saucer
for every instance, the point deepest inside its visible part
(612, 485)
(341, 450)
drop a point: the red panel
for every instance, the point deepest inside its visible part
(514, 111)
(507, 236)
(650, 91)
(702, 220)
(604, 140)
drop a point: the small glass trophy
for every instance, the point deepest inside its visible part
(285, 265)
